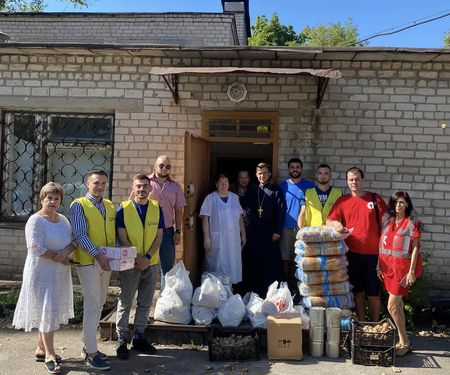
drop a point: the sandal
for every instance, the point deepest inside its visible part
(401, 350)
(41, 358)
(53, 367)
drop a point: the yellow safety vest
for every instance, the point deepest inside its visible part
(315, 213)
(139, 235)
(101, 231)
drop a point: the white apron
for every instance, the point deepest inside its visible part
(225, 253)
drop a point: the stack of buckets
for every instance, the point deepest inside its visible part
(333, 332)
(317, 331)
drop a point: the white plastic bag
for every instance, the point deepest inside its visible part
(232, 312)
(304, 316)
(278, 301)
(211, 293)
(171, 309)
(254, 314)
(203, 315)
(177, 280)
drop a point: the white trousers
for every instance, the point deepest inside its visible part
(94, 282)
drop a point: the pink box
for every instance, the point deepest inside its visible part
(119, 252)
(121, 264)
(118, 264)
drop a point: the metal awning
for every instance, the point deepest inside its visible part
(170, 75)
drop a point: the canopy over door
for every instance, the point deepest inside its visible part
(196, 182)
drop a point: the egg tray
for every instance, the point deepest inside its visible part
(360, 337)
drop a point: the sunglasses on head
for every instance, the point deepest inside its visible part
(167, 166)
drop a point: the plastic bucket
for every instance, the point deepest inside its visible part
(333, 334)
(317, 316)
(316, 333)
(333, 317)
(316, 348)
(332, 349)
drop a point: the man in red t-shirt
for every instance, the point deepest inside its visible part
(357, 211)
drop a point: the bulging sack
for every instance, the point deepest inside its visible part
(254, 314)
(312, 249)
(171, 309)
(278, 300)
(177, 280)
(211, 293)
(203, 315)
(343, 302)
(321, 263)
(232, 312)
(326, 289)
(319, 234)
(321, 277)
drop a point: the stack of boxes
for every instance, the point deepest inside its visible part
(121, 258)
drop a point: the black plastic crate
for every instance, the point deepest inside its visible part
(362, 334)
(226, 344)
(373, 356)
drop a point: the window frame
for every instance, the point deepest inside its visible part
(43, 177)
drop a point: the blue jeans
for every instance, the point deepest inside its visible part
(167, 251)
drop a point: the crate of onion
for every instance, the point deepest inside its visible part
(226, 344)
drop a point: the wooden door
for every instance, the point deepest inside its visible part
(196, 183)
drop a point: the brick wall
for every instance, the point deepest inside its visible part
(383, 116)
(190, 29)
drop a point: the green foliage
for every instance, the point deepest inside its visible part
(32, 5)
(334, 34)
(273, 33)
(8, 303)
(447, 40)
(77, 308)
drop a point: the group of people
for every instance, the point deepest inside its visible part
(250, 235)
(150, 220)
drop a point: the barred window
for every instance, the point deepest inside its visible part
(40, 147)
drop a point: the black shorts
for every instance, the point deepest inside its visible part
(362, 273)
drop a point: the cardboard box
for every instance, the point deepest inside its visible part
(118, 264)
(118, 252)
(284, 336)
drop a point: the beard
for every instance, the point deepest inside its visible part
(294, 174)
(162, 175)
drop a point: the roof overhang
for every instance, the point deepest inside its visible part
(170, 75)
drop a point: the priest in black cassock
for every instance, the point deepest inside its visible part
(262, 257)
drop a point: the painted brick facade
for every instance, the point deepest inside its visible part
(383, 116)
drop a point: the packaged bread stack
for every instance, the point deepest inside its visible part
(322, 268)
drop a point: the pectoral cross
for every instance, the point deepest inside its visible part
(260, 211)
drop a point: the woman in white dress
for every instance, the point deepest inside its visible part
(46, 296)
(223, 231)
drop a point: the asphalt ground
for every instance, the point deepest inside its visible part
(431, 355)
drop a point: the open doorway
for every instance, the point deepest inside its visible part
(231, 157)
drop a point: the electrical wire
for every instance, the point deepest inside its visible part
(403, 27)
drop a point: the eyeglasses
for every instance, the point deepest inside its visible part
(167, 166)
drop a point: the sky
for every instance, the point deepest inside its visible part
(371, 17)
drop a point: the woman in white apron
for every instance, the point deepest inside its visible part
(223, 231)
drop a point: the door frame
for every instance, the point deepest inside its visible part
(237, 115)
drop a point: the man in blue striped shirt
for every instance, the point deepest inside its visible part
(93, 225)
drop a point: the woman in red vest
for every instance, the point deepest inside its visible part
(399, 261)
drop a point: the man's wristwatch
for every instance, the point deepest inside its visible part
(177, 231)
(148, 256)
